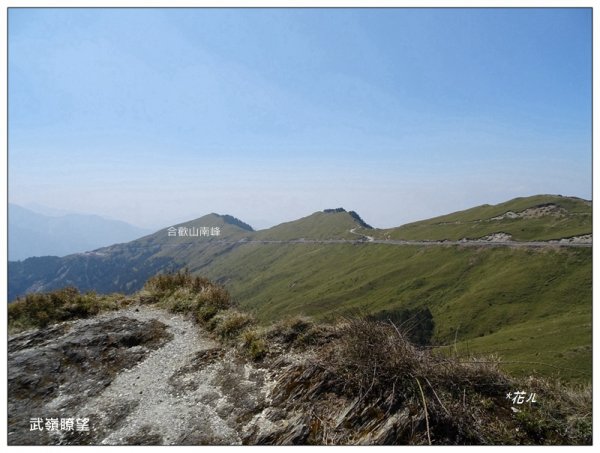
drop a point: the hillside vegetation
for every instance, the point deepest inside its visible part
(126, 267)
(506, 299)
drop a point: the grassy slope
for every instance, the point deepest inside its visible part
(528, 306)
(510, 301)
(474, 223)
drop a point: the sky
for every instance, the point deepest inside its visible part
(158, 116)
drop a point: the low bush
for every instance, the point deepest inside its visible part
(182, 292)
(431, 397)
(254, 343)
(162, 285)
(376, 357)
(230, 323)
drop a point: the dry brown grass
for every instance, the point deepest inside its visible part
(372, 356)
(182, 292)
(370, 384)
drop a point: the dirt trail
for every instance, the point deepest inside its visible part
(146, 387)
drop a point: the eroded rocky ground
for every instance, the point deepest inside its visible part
(140, 375)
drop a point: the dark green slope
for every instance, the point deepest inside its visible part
(540, 217)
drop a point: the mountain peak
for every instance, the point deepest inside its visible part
(218, 220)
(229, 219)
(327, 224)
(352, 214)
(360, 221)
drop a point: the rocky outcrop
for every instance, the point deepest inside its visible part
(584, 239)
(533, 213)
(143, 376)
(497, 237)
(53, 371)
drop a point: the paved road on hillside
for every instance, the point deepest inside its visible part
(424, 243)
(371, 240)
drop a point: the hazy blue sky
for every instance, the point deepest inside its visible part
(155, 116)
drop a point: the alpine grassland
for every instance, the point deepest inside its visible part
(531, 306)
(537, 218)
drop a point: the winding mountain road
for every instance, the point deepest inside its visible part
(368, 238)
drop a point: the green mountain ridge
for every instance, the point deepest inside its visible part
(124, 267)
(536, 218)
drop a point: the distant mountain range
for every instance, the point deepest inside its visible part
(482, 294)
(32, 233)
(124, 266)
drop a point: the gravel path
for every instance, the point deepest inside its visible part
(143, 406)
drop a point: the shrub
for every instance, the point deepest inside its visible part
(254, 343)
(229, 324)
(403, 394)
(181, 300)
(163, 285)
(372, 356)
(183, 293)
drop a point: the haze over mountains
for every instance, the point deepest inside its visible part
(33, 233)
